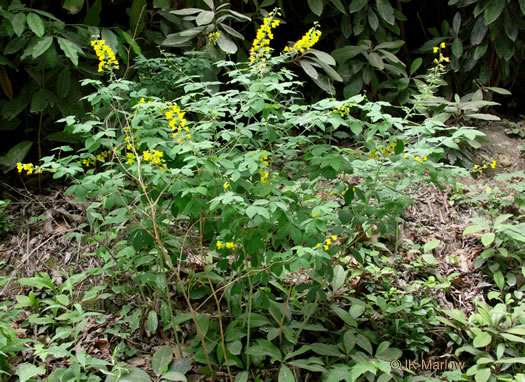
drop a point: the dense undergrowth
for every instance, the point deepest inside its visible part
(258, 235)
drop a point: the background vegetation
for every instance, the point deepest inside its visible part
(246, 207)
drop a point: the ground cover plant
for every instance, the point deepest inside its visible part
(248, 234)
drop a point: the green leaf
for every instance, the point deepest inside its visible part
(429, 259)
(205, 17)
(41, 46)
(235, 347)
(493, 11)
(323, 57)
(27, 371)
(357, 5)
(499, 279)
(340, 7)
(309, 69)
(390, 45)
(415, 65)
(73, 6)
(70, 49)
(316, 6)
(457, 48)
(430, 245)
(137, 14)
(478, 32)
(339, 277)
(376, 61)
(522, 6)
(264, 348)
(64, 82)
(482, 340)
(456, 22)
(327, 349)
(16, 154)
(344, 315)
(488, 238)
(152, 322)
(362, 367)
(39, 101)
(19, 23)
(472, 229)
(285, 374)
(135, 375)
(161, 359)
(174, 376)
(386, 11)
(226, 45)
(36, 24)
(373, 20)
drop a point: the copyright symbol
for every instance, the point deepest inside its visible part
(395, 364)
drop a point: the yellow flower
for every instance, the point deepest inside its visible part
(225, 185)
(435, 49)
(220, 245)
(443, 45)
(306, 42)
(262, 39)
(334, 237)
(493, 164)
(230, 245)
(105, 55)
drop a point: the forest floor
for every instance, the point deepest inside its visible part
(45, 228)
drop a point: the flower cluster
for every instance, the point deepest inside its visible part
(306, 42)
(105, 54)
(177, 122)
(30, 168)
(261, 44)
(262, 171)
(386, 152)
(417, 158)
(437, 50)
(213, 37)
(86, 162)
(228, 245)
(480, 168)
(154, 157)
(343, 110)
(327, 243)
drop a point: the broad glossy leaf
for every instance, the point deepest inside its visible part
(316, 6)
(161, 359)
(482, 340)
(309, 69)
(357, 5)
(226, 44)
(41, 46)
(386, 11)
(339, 5)
(35, 23)
(152, 322)
(204, 18)
(376, 61)
(479, 30)
(373, 20)
(493, 11)
(70, 49)
(285, 374)
(137, 15)
(19, 23)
